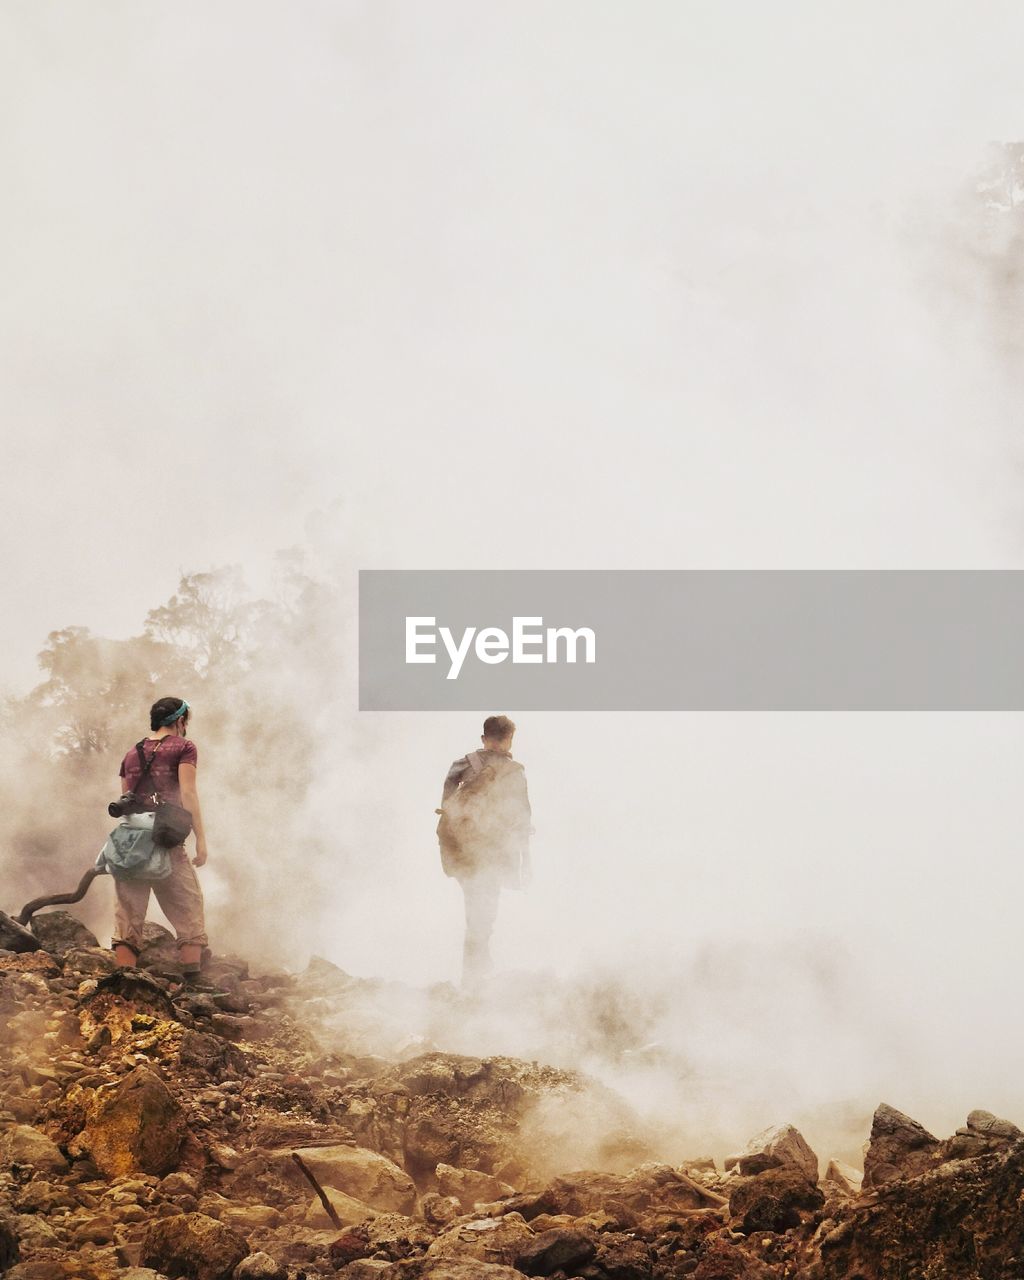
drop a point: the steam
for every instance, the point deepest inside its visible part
(708, 289)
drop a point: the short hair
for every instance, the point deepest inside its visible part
(498, 728)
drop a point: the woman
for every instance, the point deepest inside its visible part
(171, 759)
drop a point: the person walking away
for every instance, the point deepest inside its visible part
(484, 835)
(171, 758)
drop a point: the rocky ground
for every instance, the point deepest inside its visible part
(149, 1131)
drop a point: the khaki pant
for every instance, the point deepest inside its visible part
(180, 899)
(482, 892)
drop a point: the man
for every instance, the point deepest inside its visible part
(484, 832)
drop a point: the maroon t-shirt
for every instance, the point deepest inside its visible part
(163, 776)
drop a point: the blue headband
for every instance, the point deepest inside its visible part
(175, 715)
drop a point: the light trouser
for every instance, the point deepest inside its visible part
(481, 892)
(180, 899)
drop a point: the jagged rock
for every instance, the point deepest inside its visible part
(982, 1132)
(46, 1269)
(15, 937)
(23, 1145)
(179, 1184)
(779, 1147)
(842, 1179)
(139, 989)
(396, 1235)
(38, 963)
(558, 1250)
(456, 1269)
(367, 1269)
(487, 1239)
(469, 1186)
(59, 932)
(650, 1189)
(621, 1258)
(961, 1218)
(350, 1210)
(209, 1054)
(246, 1217)
(357, 1171)
(495, 1115)
(9, 1254)
(137, 1127)
(321, 977)
(159, 948)
(439, 1210)
(899, 1148)
(722, 1260)
(260, 1266)
(990, 1126)
(89, 962)
(193, 1246)
(773, 1200)
(364, 1175)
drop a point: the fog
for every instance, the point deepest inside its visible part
(580, 286)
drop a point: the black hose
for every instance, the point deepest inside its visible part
(59, 899)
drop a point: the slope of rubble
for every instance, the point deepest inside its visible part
(270, 1128)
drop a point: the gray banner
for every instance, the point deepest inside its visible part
(691, 640)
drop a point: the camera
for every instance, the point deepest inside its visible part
(127, 804)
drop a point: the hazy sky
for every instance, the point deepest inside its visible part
(559, 285)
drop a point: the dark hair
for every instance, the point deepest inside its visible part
(498, 728)
(159, 711)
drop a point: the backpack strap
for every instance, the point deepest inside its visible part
(145, 764)
(473, 760)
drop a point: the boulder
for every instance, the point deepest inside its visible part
(260, 1266)
(192, 1246)
(898, 1148)
(623, 1258)
(466, 1269)
(359, 1173)
(497, 1240)
(247, 1217)
(651, 1189)
(722, 1260)
(961, 1218)
(516, 1120)
(35, 962)
(781, 1146)
(349, 1210)
(775, 1199)
(395, 1235)
(439, 1210)
(23, 1145)
(89, 962)
(159, 947)
(138, 989)
(982, 1132)
(210, 1054)
(15, 937)
(137, 1127)
(9, 1254)
(559, 1250)
(842, 1179)
(469, 1186)
(59, 932)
